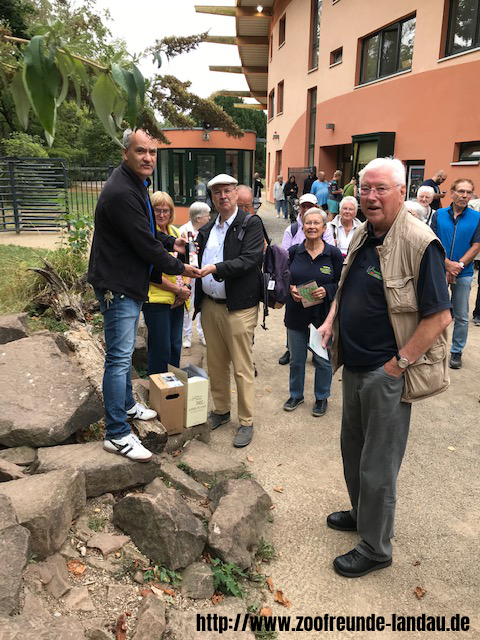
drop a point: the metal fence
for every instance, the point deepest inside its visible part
(44, 194)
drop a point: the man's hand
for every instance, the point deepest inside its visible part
(294, 291)
(453, 267)
(207, 270)
(179, 245)
(191, 272)
(184, 294)
(325, 330)
(391, 367)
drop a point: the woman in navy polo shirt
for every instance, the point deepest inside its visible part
(312, 261)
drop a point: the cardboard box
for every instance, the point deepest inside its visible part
(167, 397)
(195, 381)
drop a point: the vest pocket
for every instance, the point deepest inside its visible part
(427, 375)
(401, 294)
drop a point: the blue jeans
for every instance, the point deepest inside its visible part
(281, 207)
(120, 325)
(298, 342)
(460, 296)
(164, 335)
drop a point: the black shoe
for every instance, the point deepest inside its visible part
(341, 521)
(255, 370)
(455, 361)
(243, 436)
(476, 321)
(319, 408)
(292, 403)
(216, 419)
(285, 359)
(353, 564)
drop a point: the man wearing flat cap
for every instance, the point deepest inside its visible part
(228, 293)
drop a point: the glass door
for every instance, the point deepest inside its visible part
(416, 174)
(205, 165)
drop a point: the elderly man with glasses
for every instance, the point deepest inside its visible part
(388, 323)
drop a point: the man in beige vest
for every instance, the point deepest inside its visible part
(388, 325)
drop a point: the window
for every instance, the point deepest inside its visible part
(231, 163)
(278, 164)
(470, 152)
(312, 125)
(179, 177)
(336, 56)
(271, 46)
(388, 51)
(463, 26)
(315, 33)
(271, 104)
(280, 97)
(281, 31)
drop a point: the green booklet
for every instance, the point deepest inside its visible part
(305, 291)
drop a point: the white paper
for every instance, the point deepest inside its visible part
(315, 343)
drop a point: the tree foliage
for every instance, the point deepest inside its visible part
(21, 144)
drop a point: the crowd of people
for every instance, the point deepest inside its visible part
(379, 295)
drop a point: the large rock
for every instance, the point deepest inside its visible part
(23, 456)
(180, 480)
(10, 471)
(162, 527)
(13, 327)
(45, 398)
(103, 471)
(46, 505)
(209, 466)
(182, 625)
(14, 554)
(151, 620)
(107, 543)
(197, 582)
(29, 627)
(237, 524)
(52, 574)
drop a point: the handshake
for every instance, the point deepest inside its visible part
(195, 272)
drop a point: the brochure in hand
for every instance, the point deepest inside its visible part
(305, 291)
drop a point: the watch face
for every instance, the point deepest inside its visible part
(403, 363)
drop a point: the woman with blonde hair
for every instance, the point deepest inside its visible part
(167, 297)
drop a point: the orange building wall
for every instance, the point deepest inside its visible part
(430, 108)
(192, 139)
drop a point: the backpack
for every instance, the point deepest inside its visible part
(274, 272)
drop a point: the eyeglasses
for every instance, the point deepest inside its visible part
(380, 191)
(463, 192)
(162, 212)
(225, 192)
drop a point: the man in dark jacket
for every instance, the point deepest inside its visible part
(230, 254)
(126, 252)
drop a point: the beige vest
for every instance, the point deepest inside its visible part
(400, 257)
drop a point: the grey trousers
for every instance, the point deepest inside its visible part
(374, 436)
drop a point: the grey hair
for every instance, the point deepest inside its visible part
(348, 200)
(416, 209)
(198, 209)
(316, 210)
(426, 189)
(279, 178)
(474, 204)
(127, 138)
(395, 165)
(245, 186)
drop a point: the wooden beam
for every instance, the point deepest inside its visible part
(239, 12)
(251, 71)
(219, 11)
(259, 95)
(241, 41)
(243, 105)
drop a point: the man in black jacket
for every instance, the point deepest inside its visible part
(230, 254)
(126, 253)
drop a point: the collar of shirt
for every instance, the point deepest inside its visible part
(451, 213)
(327, 249)
(227, 223)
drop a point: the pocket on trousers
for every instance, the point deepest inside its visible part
(402, 294)
(389, 376)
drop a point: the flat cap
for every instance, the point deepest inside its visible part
(308, 197)
(222, 178)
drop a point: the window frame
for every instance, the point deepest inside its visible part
(316, 8)
(280, 97)
(476, 40)
(271, 104)
(334, 62)
(463, 145)
(282, 30)
(312, 111)
(381, 33)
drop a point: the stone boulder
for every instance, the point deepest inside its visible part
(45, 397)
(151, 620)
(180, 480)
(162, 527)
(13, 327)
(15, 551)
(52, 573)
(107, 543)
(182, 625)
(29, 627)
(237, 523)
(104, 471)
(46, 505)
(10, 471)
(23, 456)
(209, 466)
(197, 582)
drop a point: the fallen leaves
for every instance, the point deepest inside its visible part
(250, 459)
(281, 599)
(266, 612)
(121, 628)
(419, 592)
(145, 592)
(269, 583)
(278, 489)
(217, 598)
(76, 567)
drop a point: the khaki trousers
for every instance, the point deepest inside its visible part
(229, 336)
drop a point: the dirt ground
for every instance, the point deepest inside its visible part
(438, 512)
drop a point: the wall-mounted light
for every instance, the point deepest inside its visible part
(330, 125)
(259, 8)
(276, 136)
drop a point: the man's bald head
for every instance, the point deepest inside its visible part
(245, 198)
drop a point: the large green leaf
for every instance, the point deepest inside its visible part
(140, 82)
(65, 69)
(119, 110)
(20, 98)
(40, 77)
(104, 95)
(126, 81)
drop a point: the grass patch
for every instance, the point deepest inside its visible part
(97, 523)
(186, 469)
(266, 551)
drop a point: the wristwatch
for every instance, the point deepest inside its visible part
(402, 362)
(462, 264)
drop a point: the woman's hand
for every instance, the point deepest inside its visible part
(184, 294)
(319, 294)
(294, 292)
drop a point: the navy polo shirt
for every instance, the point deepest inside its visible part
(435, 204)
(325, 270)
(366, 334)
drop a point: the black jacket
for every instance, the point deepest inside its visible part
(241, 263)
(123, 246)
(290, 189)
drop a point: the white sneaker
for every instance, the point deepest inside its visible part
(128, 446)
(139, 412)
(187, 343)
(203, 341)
